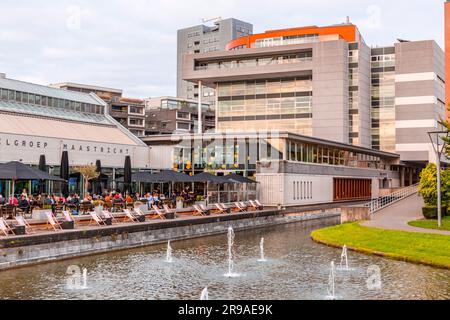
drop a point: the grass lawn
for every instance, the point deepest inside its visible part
(429, 249)
(432, 224)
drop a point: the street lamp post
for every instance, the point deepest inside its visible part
(438, 149)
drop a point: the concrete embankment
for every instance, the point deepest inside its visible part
(52, 246)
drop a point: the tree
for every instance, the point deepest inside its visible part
(428, 185)
(89, 172)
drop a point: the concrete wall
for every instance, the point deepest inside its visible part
(364, 94)
(330, 91)
(41, 249)
(420, 95)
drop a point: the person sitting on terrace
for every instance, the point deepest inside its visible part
(129, 199)
(87, 198)
(24, 193)
(118, 197)
(156, 199)
(23, 204)
(150, 200)
(13, 200)
(108, 197)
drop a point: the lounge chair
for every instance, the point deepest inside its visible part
(255, 205)
(24, 223)
(108, 215)
(95, 218)
(52, 222)
(199, 211)
(130, 216)
(204, 208)
(5, 228)
(167, 209)
(244, 205)
(69, 217)
(239, 208)
(159, 213)
(259, 204)
(220, 209)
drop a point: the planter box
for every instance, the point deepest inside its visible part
(40, 214)
(170, 215)
(68, 225)
(180, 205)
(19, 230)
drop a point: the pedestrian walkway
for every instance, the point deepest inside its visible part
(397, 216)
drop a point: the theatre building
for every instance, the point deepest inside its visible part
(37, 120)
(290, 169)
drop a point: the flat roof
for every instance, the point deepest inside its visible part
(85, 86)
(175, 138)
(47, 91)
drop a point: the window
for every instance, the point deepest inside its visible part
(183, 115)
(183, 126)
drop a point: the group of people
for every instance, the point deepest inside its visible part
(27, 202)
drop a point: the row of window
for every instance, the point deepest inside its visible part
(308, 153)
(274, 86)
(256, 62)
(303, 190)
(35, 99)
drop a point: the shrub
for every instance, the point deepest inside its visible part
(428, 185)
(430, 212)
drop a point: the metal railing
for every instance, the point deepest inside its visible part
(383, 202)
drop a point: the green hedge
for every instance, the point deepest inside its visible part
(430, 212)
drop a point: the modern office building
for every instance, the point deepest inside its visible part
(39, 120)
(167, 115)
(290, 169)
(447, 54)
(203, 39)
(129, 112)
(326, 82)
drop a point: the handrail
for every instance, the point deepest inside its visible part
(383, 202)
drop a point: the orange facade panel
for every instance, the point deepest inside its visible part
(348, 32)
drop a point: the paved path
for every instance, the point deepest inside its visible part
(397, 216)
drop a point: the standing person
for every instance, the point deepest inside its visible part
(2, 200)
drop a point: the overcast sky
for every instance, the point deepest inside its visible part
(131, 44)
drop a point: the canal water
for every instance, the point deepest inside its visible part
(296, 269)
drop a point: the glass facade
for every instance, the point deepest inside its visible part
(226, 154)
(383, 99)
(275, 104)
(255, 62)
(44, 101)
(170, 104)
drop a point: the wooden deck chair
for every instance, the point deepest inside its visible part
(52, 222)
(24, 223)
(244, 205)
(95, 218)
(5, 228)
(220, 209)
(69, 217)
(159, 213)
(108, 215)
(130, 216)
(239, 208)
(259, 204)
(198, 211)
(167, 209)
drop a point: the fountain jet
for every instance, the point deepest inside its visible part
(205, 294)
(261, 247)
(344, 259)
(169, 258)
(230, 273)
(332, 283)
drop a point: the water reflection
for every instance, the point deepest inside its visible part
(297, 268)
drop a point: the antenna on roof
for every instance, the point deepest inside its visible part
(347, 21)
